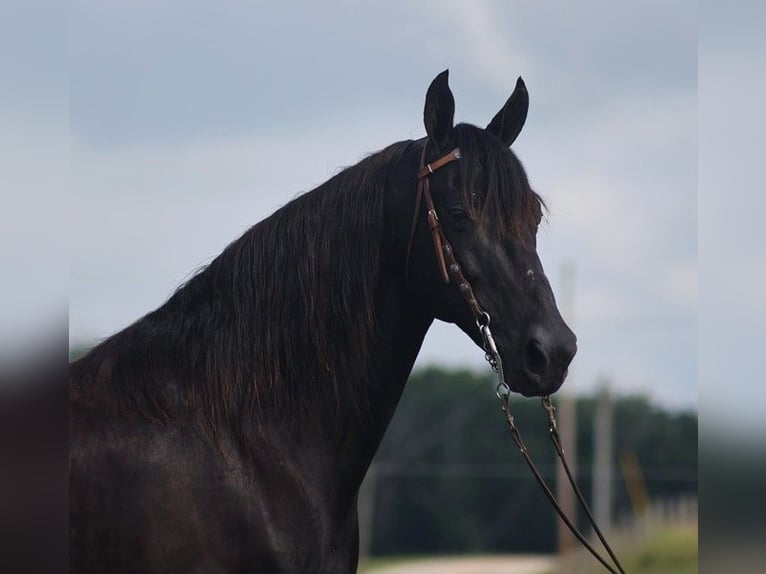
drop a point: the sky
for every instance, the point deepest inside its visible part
(191, 121)
(732, 88)
(34, 150)
(176, 125)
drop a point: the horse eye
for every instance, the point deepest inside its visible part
(458, 215)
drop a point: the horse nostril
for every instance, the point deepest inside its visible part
(535, 358)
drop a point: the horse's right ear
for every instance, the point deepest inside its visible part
(439, 111)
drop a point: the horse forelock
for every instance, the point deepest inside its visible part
(496, 190)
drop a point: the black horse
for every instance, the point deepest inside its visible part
(229, 430)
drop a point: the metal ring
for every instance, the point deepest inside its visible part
(502, 390)
(482, 320)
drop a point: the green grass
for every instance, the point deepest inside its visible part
(372, 564)
(672, 551)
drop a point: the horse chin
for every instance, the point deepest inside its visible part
(530, 385)
(531, 389)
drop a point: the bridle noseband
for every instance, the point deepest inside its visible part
(450, 269)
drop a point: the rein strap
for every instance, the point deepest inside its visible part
(450, 269)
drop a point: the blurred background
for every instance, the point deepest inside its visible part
(178, 125)
(191, 121)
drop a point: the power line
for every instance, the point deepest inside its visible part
(409, 468)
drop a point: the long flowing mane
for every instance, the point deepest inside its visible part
(269, 322)
(267, 326)
(232, 427)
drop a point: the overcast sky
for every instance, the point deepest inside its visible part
(732, 204)
(183, 121)
(191, 121)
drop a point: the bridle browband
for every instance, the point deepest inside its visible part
(450, 270)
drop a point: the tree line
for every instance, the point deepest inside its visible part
(448, 479)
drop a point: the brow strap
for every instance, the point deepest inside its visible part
(429, 168)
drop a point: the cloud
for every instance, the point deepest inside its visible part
(681, 284)
(33, 228)
(193, 122)
(484, 45)
(731, 207)
(147, 216)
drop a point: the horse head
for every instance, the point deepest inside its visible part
(488, 215)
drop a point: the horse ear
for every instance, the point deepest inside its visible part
(439, 111)
(508, 122)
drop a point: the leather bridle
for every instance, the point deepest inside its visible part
(450, 270)
(445, 255)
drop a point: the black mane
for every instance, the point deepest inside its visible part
(231, 428)
(267, 325)
(269, 321)
(495, 186)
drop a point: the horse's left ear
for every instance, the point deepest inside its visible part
(439, 112)
(508, 122)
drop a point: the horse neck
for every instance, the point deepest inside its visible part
(330, 452)
(351, 441)
(402, 328)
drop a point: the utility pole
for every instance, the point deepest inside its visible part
(603, 432)
(567, 420)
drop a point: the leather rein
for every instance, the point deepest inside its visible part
(450, 270)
